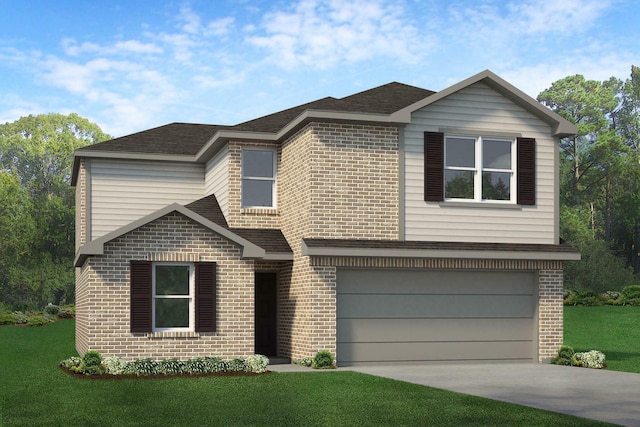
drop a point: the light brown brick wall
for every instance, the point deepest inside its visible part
(103, 315)
(336, 181)
(550, 316)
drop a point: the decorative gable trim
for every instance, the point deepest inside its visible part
(96, 247)
(560, 126)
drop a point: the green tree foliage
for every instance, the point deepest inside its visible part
(600, 177)
(37, 206)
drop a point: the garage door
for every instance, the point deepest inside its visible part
(416, 315)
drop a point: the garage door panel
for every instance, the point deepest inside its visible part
(434, 282)
(433, 351)
(433, 306)
(415, 330)
(390, 315)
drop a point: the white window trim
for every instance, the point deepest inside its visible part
(478, 169)
(192, 290)
(260, 178)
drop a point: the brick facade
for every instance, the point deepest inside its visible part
(103, 294)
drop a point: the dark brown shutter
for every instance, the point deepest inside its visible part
(205, 296)
(140, 277)
(433, 166)
(526, 170)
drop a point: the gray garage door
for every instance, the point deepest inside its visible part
(415, 315)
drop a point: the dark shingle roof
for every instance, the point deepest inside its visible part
(174, 138)
(272, 241)
(188, 139)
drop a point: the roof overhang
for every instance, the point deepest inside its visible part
(249, 249)
(400, 249)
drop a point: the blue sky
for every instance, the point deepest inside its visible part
(133, 65)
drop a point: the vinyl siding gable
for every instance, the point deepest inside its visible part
(122, 191)
(479, 109)
(216, 179)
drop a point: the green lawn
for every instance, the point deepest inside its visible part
(34, 392)
(615, 331)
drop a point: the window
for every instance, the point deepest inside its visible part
(173, 290)
(172, 297)
(258, 178)
(479, 168)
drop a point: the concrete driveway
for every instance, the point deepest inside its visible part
(590, 393)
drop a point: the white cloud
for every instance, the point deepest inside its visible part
(322, 34)
(557, 17)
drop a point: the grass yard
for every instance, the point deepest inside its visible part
(34, 392)
(615, 331)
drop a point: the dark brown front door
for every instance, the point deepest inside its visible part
(266, 294)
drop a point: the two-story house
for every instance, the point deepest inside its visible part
(394, 225)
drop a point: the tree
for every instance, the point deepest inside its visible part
(36, 155)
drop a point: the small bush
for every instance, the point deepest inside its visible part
(67, 312)
(8, 318)
(256, 363)
(92, 358)
(323, 360)
(52, 309)
(565, 356)
(38, 320)
(143, 367)
(171, 367)
(305, 361)
(71, 362)
(215, 364)
(590, 359)
(235, 365)
(114, 365)
(196, 366)
(21, 318)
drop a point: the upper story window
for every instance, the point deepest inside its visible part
(173, 296)
(479, 168)
(258, 177)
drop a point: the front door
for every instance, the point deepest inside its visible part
(266, 324)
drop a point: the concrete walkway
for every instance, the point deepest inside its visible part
(590, 393)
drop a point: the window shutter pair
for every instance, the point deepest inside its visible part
(434, 169)
(141, 275)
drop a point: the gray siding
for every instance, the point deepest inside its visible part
(124, 191)
(387, 315)
(216, 179)
(479, 108)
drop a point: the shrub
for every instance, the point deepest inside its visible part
(256, 363)
(71, 362)
(142, 367)
(323, 360)
(52, 309)
(196, 366)
(8, 318)
(235, 365)
(305, 361)
(38, 320)
(114, 365)
(565, 356)
(21, 318)
(631, 295)
(171, 367)
(590, 359)
(214, 364)
(92, 363)
(67, 312)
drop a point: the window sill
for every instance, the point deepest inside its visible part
(259, 211)
(172, 334)
(486, 205)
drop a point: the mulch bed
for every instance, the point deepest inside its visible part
(109, 377)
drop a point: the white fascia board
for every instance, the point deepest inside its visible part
(96, 247)
(133, 156)
(560, 126)
(437, 253)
